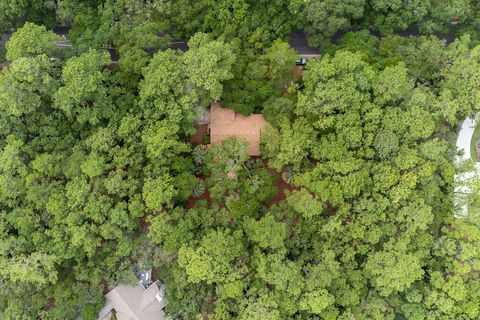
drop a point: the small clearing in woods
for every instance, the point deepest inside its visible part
(281, 185)
(201, 132)
(192, 201)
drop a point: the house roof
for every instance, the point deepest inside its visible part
(226, 123)
(135, 302)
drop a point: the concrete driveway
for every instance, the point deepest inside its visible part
(464, 139)
(461, 180)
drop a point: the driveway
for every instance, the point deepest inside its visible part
(464, 139)
(299, 42)
(461, 187)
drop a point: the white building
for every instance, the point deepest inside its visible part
(144, 301)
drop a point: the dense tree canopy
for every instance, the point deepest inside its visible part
(349, 212)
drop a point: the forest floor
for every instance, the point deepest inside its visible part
(282, 186)
(297, 73)
(4, 64)
(201, 132)
(297, 76)
(192, 201)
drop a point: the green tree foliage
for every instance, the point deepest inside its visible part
(38, 268)
(294, 142)
(212, 260)
(28, 82)
(304, 203)
(97, 176)
(266, 232)
(131, 29)
(275, 109)
(162, 91)
(259, 76)
(158, 192)
(279, 57)
(322, 19)
(366, 121)
(84, 95)
(15, 13)
(393, 271)
(84, 159)
(207, 64)
(429, 65)
(255, 22)
(461, 76)
(175, 85)
(31, 40)
(388, 16)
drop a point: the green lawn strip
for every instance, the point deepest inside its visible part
(473, 147)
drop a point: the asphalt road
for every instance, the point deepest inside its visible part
(297, 40)
(65, 43)
(299, 43)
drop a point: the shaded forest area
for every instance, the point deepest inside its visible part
(348, 214)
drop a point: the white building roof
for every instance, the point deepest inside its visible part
(133, 302)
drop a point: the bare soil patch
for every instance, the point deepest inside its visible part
(201, 132)
(192, 201)
(281, 185)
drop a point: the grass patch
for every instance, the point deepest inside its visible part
(473, 147)
(206, 139)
